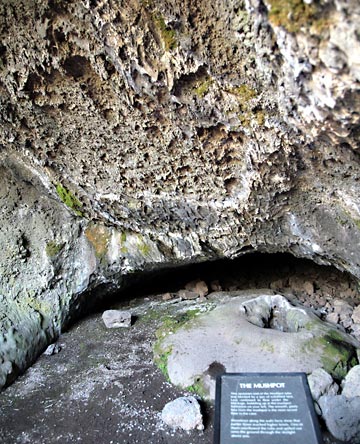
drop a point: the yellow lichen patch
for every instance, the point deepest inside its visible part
(249, 117)
(291, 14)
(320, 25)
(203, 88)
(244, 93)
(267, 346)
(53, 249)
(98, 236)
(36, 304)
(167, 34)
(260, 117)
(250, 112)
(123, 247)
(142, 246)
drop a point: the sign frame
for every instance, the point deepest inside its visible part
(309, 405)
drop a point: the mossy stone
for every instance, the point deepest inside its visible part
(69, 199)
(53, 249)
(168, 35)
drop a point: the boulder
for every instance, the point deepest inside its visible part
(321, 383)
(351, 384)
(355, 331)
(183, 413)
(356, 315)
(254, 334)
(343, 309)
(333, 317)
(198, 286)
(342, 417)
(188, 295)
(116, 318)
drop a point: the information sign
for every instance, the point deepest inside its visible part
(265, 408)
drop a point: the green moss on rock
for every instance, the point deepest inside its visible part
(123, 237)
(69, 199)
(198, 388)
(161, 360)
(250, 111)
(172, 323)
(42, 307)
(357, 223)
(123, 248)
(53, 249)
(337, 355)
(168, 35)
(203, 88)
(169, 324)
(244, 93)
(143, 247)
(296, 14)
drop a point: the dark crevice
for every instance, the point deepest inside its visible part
(76, 66)
(279, 272)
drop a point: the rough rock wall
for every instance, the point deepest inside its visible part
(138, 134)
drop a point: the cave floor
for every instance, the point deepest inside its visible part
(103, 387)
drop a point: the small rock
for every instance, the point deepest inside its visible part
(187, 294)
(320, 299)
(349, 293)
(351, 383)
(355, 331)
(6, 369)
(308, 287)
(321, 383)
(215, 286)
(116, 318)
(343, 308)
(298, 284)
(328, 306)
(356, 315)
(183, 413)
(167, 296)
(342, 417)
(53, 349)
(277, 285)
(198, 286)
(347, 322)
(333, 318)
(329, 290)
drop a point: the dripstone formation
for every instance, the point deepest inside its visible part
(137, 135)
